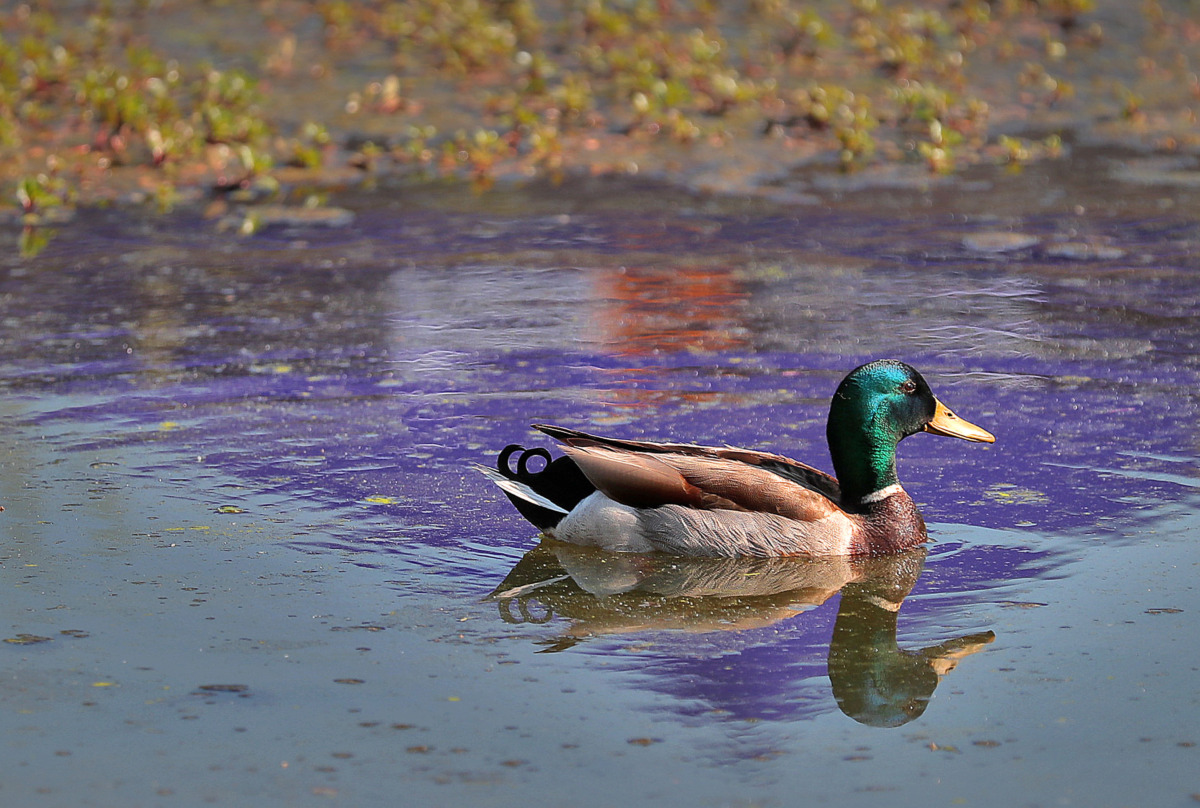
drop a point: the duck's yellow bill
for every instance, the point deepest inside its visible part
(947, 423)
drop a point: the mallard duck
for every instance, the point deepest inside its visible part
(687, 500)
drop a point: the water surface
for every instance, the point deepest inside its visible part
(246, 557)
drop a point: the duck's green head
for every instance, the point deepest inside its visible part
(874, 408)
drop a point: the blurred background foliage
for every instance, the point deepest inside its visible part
(168, 100)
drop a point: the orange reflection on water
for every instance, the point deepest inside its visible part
(646, 310)
(680, 307)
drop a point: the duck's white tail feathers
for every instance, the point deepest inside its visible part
(520, 490)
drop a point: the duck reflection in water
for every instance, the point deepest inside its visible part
(874, 681)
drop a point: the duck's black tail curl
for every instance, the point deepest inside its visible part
(561, 482)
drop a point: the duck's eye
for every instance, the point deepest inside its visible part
(908, 387)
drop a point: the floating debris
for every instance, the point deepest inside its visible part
(944, 747)
(1008, 494)
(225, 688)
(26, 639)
(230, 509)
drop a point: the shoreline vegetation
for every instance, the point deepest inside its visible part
(168, 102)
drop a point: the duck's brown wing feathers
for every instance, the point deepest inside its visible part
(745, 460)
(643, 480)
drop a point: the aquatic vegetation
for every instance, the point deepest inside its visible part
(36, 194)
(126, 107)
(309, 149)
(1017, 152)
(84, 101)
(42, 199)
(849, 117)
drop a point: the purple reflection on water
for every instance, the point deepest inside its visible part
(367, 425)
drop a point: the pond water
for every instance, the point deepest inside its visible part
(246, 558)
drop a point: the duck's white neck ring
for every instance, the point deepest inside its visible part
(882, 494)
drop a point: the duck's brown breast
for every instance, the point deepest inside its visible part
(892, 525)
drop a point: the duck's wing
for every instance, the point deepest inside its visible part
(793, 471)
(704, 482)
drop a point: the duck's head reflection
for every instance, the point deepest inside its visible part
(874, 681)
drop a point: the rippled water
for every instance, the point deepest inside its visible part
(239, 505)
